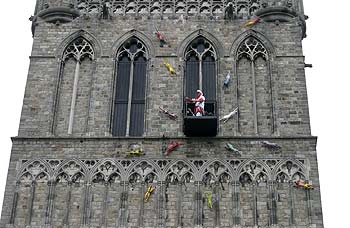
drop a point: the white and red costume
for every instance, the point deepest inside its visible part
(198, 103)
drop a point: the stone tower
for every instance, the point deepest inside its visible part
(107, 137)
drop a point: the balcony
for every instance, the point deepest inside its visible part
(201, 126)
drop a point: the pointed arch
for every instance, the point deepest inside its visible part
(108, 168)
(181, 51)
(72, 167)
(137, 34)
(89, 37)
(253, 168)
(253, 55)
(35, 168)
(130, 80)
(217, 168)
(256, 35)
(200, 70)
(77, 53)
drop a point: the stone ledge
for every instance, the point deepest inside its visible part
(21, 138)
(59, 14)
(272, 14)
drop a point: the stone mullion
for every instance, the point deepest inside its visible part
(74, 97)
(291, 204)
(200, 73)
(272, 202)
(87, 204)
(237, 92)
(273, 115)
(123, 205)
(105, 206)
(131, 82)
(14, 203)
(68, 200)
(179, 205)
(198, 206)
(254, 97)
(142, 206)
(235, 202)
(50, 202)
(86, 131)
(160, 205)
(30, 203)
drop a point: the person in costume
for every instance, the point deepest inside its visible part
(198, 103)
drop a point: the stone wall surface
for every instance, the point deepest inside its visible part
(282, 42)
(96, 172)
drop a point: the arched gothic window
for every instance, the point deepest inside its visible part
(254, 88)
(200, 70)
(74, 88)
(129, 107)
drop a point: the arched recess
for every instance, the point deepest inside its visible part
(71, 192)
(253, 70)
(131, 62)
(201, 69)
(76, 68)
(180, 178)
(29, 200)
(292, 206)
(106, 192)
(253, 187)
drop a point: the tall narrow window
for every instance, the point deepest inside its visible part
(201, 71)
(129, 108)
(254, 88)
(74, 88)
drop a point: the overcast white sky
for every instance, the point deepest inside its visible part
(328, 83)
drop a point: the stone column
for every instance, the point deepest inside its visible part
(255, 208)
(14, 203)
(56, 95)
(104, 206)
(198, 221)
(291, 203)
(160, 204)
(50, 202)
(272, 202)
(123, 205)
(235, 202)
(142, 206)
(87, 205)
(30, 203)
(179, 205)
(309, 204)
(216, 204)
(68, 200)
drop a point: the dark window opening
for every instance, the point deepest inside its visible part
(129, 107)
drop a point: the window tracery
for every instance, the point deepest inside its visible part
(252, 49)
(201, 71)
(79, 49)
(128, 119)
(85, 170)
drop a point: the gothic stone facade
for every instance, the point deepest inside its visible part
(82, 114)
